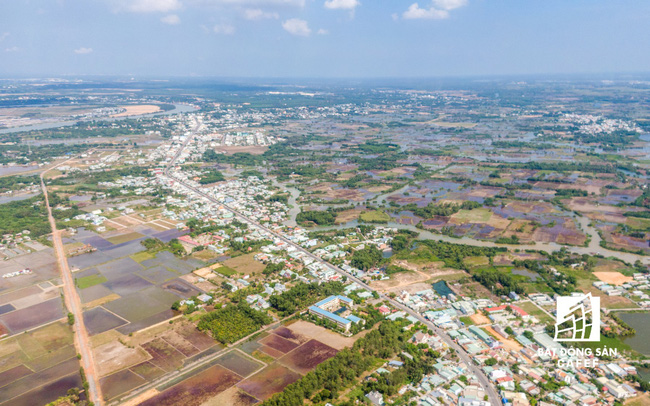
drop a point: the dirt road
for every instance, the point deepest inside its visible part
(73, 303)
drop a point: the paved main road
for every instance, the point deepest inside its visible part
(493, 397)
(73, 303)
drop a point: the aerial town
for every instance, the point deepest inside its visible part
(349, 246)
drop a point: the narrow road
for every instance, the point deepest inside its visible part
(73, 303)
(493, 396)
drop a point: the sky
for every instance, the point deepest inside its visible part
(322, 38)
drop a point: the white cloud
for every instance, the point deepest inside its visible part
(259, 14)
(226, 29)
(449, 4)
(12, 49)
(342, 4)
(297, 26)
(322, 31)
(147, 6)
(415, 12)
(171, 19)
(250, 3)
(83, 51)
(438, 10)
(4, 36)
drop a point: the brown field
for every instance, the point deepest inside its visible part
(321, 334)
(231, 397)
(609, 302)
(270, 380)
(509, 344)
(308, 356)
(278, 343)
(479, 319)
(347, 215)
(245, 264)
(120, 382)
(136, 110)
(114, 356)
(197, 389)
(613, 278)
(271, 352)
(163, 354)
(251, 149)
(290, 335)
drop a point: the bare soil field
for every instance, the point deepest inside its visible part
(136, 110)
(114, 356)
(197, 389)
(308, 356)
(321, 334)
(613, 278)
(270, 380)
(479, 319)
(231, 397)
(245, 264)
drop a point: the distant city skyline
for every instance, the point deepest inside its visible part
(322, 38)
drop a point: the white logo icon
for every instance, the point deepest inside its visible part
(578, 318)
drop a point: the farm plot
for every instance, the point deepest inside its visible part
(308, 356)
(197, 389)
(270, 380)
(99, 320)
(38, 367)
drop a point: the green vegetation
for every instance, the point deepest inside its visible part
(29, 214)
(211, 176)
(233, 322)
(375, 216)
(90, 280)
(225, 271)
(303, 295)
(442, 209)
(154, 245)
(321, 218)
(344, 370)
(366, 258)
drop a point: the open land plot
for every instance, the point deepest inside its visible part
(114, 355)
(231, 397)
(245, 264)
(180, 343)
(22, 386)
(606, 301)
(479, 319)
(119, 239)
(137, 109)
(90, 280)
(90, 296)
(270, 380)
(328, 337)
(534, 310)
(238, 363)
(284, 332)
(98, 320)
(127, 284)
(197, 389)
(142, 304)
(613, 278)
(120, 382)
(147, 370)
(278, 343)
(47, 393)
(306, 357)
(347, 216)
(157, 274)
(33, 316)
(164, 355)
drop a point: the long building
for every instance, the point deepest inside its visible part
(331, 308)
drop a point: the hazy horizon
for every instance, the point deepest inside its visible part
(341, 39)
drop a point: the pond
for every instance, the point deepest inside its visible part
(641, 323)
(533, 276)
(442, 289)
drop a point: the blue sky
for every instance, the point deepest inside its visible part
(322, 38)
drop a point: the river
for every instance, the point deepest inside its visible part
(178, 108)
